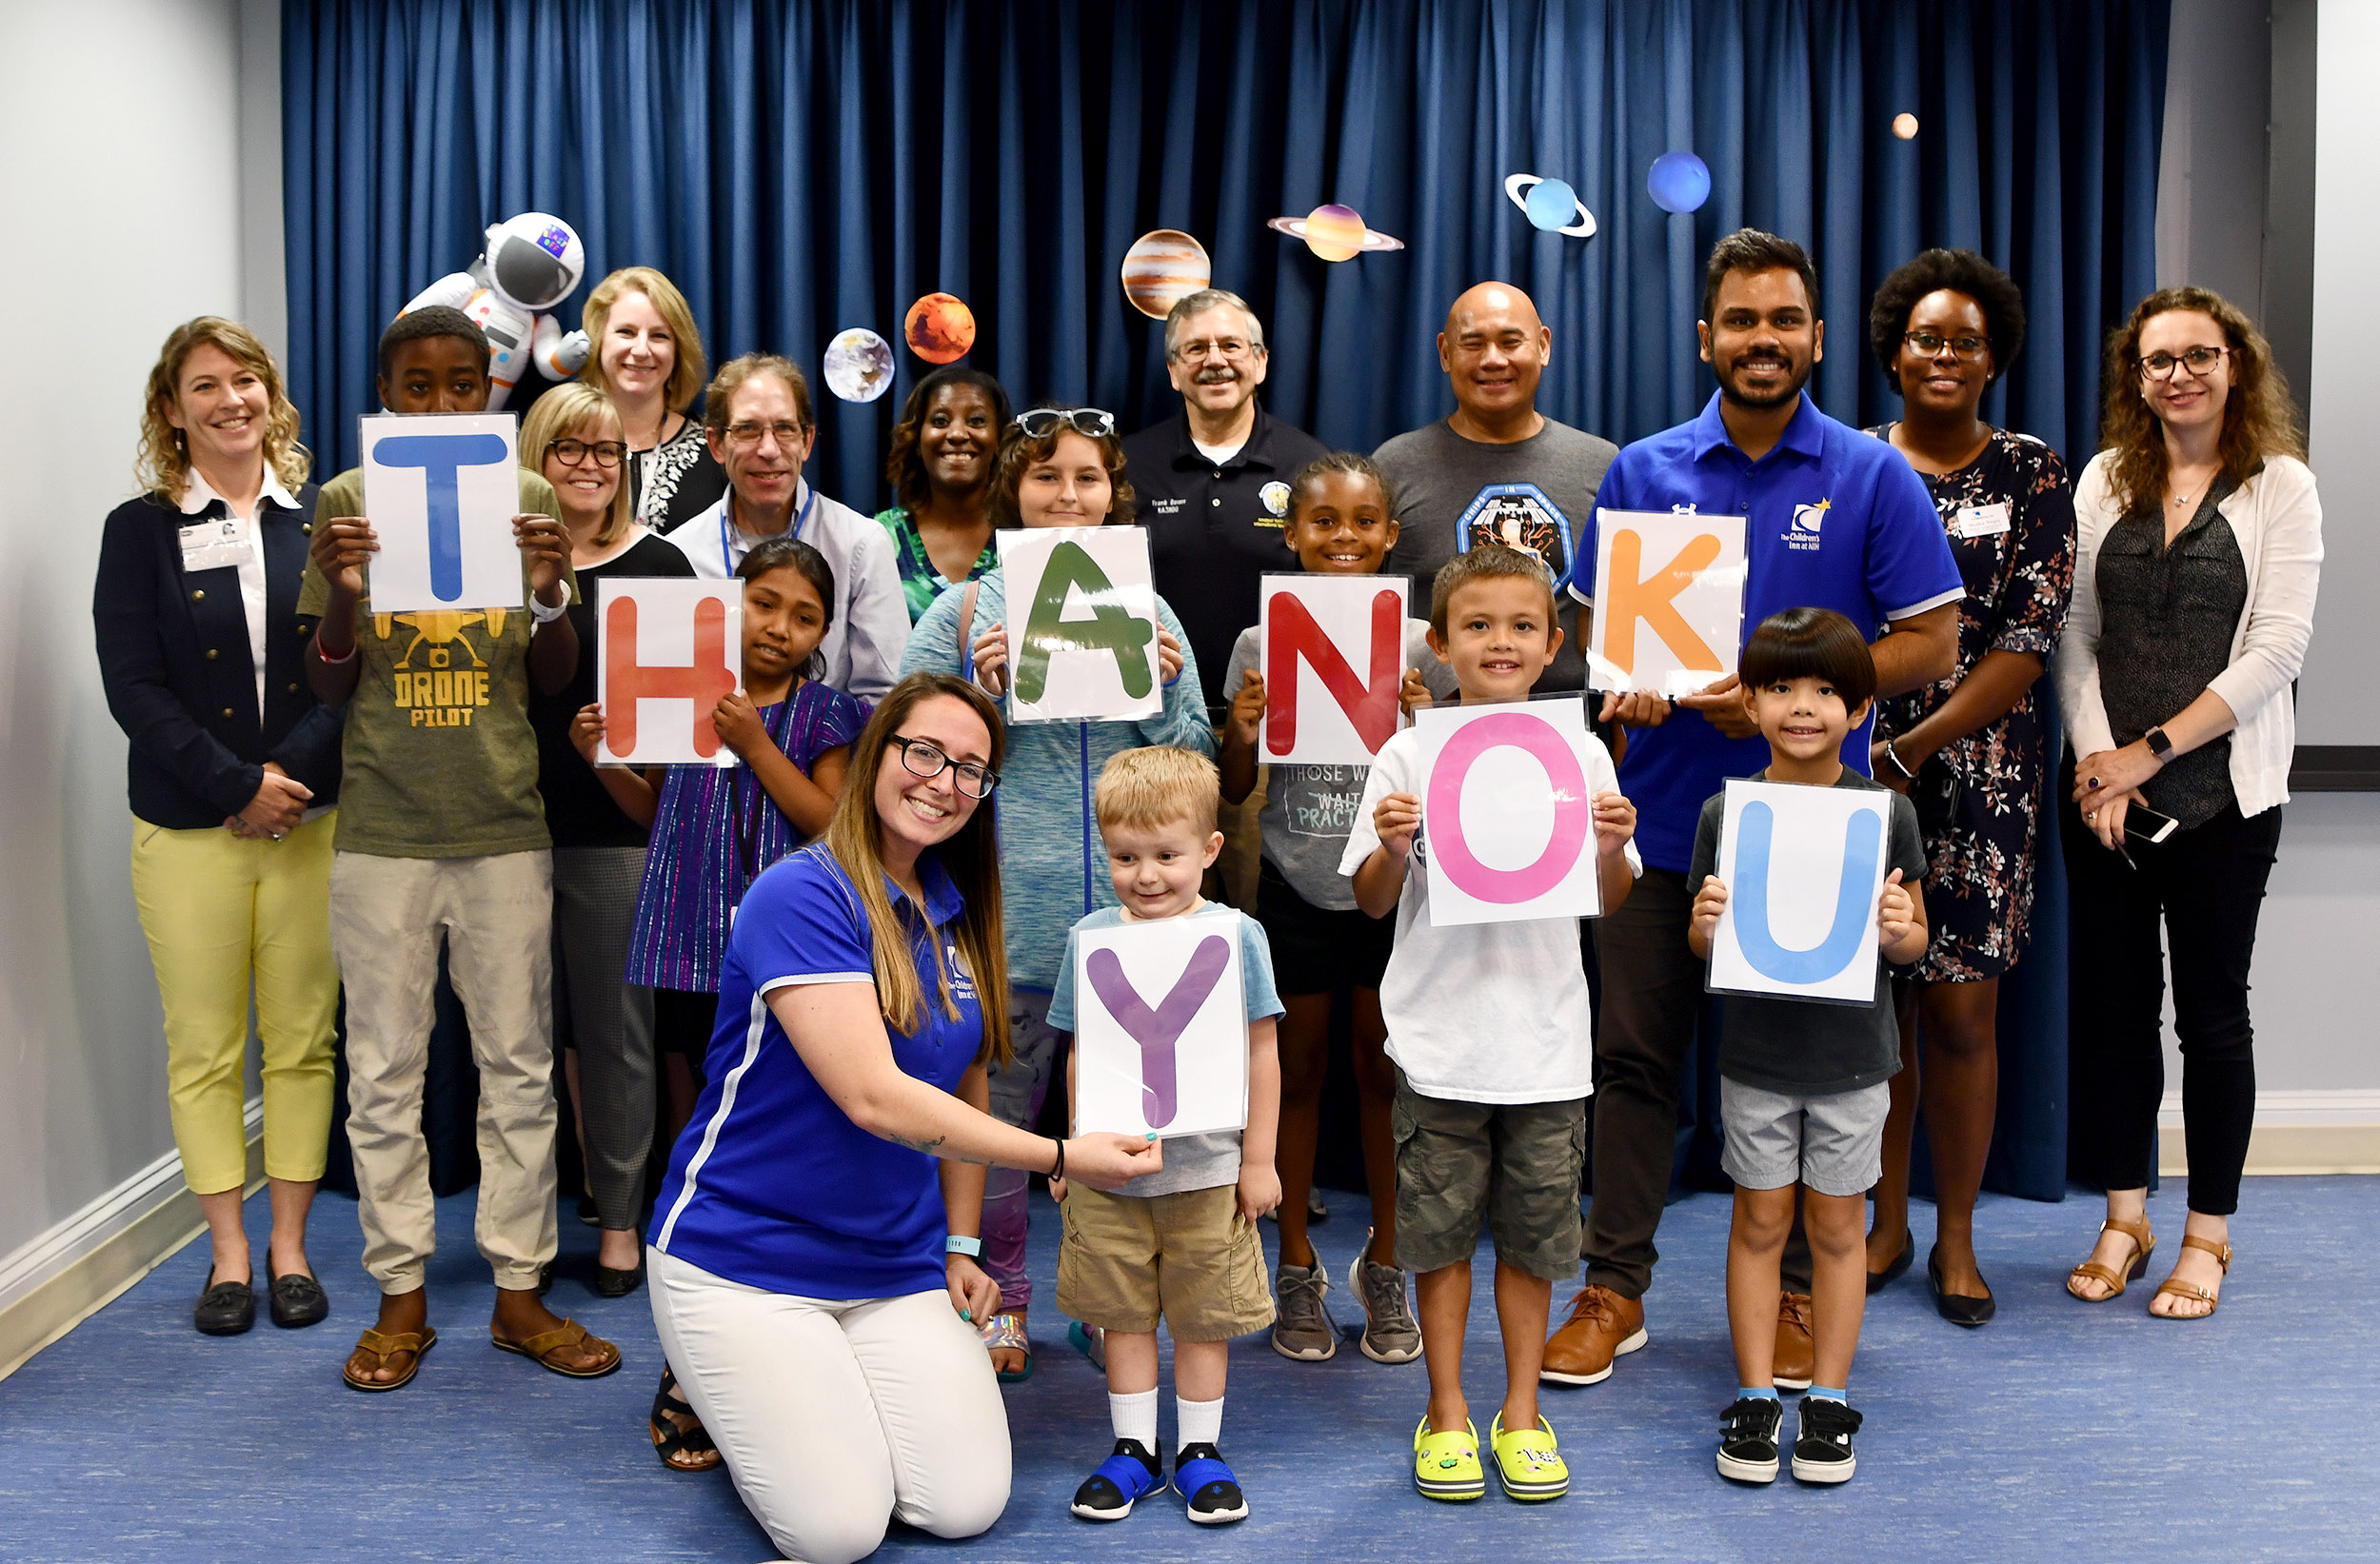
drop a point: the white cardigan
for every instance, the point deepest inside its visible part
(2277, 518)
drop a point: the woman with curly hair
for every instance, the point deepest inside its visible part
(1971, 749)
(940, 471)
(234, 770)
(2199, 551)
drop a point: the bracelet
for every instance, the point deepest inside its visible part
(1899, 765)
(544, 615)
(964, 1243)
(345, 657)
(1059, 1171)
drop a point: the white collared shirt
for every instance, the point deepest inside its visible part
(199, 496)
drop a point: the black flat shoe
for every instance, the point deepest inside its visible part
(1957, 1309)
(226, 1308)
(611, 1283)
(1879, 1280)
(298, 1301)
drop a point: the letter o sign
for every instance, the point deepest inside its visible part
(1573, 808)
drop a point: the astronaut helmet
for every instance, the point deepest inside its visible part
(534, 261)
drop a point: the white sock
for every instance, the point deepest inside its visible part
(1198, 1422)
(1135, 1418)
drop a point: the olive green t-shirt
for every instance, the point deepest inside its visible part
(440, 760)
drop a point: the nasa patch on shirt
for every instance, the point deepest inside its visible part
(1519, 515)
(1276, 498)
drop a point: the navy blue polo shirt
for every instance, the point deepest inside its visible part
(772, 1184)
(1835, 519)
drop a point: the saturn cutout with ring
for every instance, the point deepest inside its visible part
(1335, 232)
(1552, 205)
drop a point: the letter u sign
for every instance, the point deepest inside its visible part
(1803, 868)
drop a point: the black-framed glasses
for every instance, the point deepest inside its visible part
(1040, 422)
(2198, 361)
(607, 453)
(1965, 349)
(924, 758)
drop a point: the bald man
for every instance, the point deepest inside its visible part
(1497, 469)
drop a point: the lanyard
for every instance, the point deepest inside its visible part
(726, 552)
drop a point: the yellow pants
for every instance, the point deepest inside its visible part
(219, 913)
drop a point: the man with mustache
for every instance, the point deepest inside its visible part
(1835, 520)
(1212, 485)
(1496, 470)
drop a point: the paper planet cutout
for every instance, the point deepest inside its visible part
(1904, 126)
(859, 364)
(940, 328)
(1162, 267)
(1678, 182)
(1335, 232)
(1552, 205)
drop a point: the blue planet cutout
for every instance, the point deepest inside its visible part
(1678, 182)
(1551, 204)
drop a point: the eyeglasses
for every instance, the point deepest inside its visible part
(1966, 350)
(745, 436)
(2198, 361)
(606, 452)
(1040, 422)
(1220, 348)
(926, 759)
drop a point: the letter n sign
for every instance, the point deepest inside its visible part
(1332, 655)
(1669, 601)
(667, 651)
(440, 492)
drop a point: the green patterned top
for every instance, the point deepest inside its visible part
(920, 584)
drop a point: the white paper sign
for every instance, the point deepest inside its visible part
(1161, 1027)
(1669, 601)
(666, 651)
(441, 490)
(1508, 812)
(1332, 650)
(1803, 867)
(1081, 623)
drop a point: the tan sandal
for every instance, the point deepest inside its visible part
(2191, 1290)
(386, 1345)
(2144, 1245)
(542, 1347)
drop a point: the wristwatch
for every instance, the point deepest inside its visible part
(2159, 745)
(1899, 765)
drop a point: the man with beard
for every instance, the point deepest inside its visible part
(1496, 470)
(1212, 485)
(1835, 520)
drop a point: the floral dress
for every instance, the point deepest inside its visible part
(2010, 514)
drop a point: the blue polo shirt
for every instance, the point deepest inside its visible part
(772, 1184)
(1835, 519)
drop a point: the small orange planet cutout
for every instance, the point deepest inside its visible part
(1162, 267)
(1905, 126)
(940, 328)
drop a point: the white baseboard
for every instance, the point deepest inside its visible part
(2297, 1132)
(63, 1278)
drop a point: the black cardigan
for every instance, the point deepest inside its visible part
(174, 660)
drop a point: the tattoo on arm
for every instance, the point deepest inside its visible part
(934, 1148)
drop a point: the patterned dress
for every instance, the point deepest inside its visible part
(920, 584)
(2010, 515)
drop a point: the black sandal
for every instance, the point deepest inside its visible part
(680, 1448)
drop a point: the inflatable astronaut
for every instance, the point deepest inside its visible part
(532, 264)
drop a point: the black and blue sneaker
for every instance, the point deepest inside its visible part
(1132, 1473)
(1203, 1480)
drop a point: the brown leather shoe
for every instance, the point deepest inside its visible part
(1796, 1350)
(1601, 1326)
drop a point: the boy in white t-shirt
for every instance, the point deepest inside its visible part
(1489, 1028)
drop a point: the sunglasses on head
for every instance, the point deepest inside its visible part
(1040, 422)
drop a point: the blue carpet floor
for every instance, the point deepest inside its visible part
(2085, 1432)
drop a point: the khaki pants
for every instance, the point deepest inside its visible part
(495, 913)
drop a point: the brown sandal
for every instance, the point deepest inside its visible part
(2222, 1253)
(2144, 1245)
(542, 1347)
(385, 1346)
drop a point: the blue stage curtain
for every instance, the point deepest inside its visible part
(803, 165)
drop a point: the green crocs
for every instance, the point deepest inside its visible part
(1446, 1466)
(1529, 1463)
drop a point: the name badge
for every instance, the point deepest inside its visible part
(213, 545)
(1981, 521)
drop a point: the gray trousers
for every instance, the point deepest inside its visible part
(608, 1020)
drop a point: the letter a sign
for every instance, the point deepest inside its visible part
(1161, 1027)
(1334, 661)
(1669, 601)
(667, 651)
(1082, 624)
(1508, 811)
(441, 490)
(1803, 867)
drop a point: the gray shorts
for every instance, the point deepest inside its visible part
(1833, 1144)
(1512, 1165)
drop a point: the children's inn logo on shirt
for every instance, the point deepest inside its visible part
(1804, 534)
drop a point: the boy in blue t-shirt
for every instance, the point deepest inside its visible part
(1180, 1243)
(1803, 1084)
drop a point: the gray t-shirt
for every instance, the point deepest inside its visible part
(1806, 1047)
(1308, 809)
(1540, 494)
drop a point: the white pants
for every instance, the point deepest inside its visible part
(837, 1416)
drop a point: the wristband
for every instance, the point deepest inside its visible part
(963, 1243)
(544, 615)
(1899, 765)
(1059, 1171)
(348, 656)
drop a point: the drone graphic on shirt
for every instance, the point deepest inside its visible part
(441, 695)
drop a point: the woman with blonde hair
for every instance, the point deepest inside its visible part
(2198, 551)
(572, 438)
(234, 771)
(648, 359)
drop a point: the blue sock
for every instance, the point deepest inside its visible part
(1820, 1393)
(1755, 1393)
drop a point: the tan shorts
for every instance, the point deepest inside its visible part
(1190, 1256)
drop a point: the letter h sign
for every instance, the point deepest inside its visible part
(668, 651)
(1332, 655)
